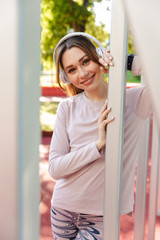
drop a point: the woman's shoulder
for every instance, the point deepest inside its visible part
(134, 93)
(67, 102)
(138, 100)
(72, 99)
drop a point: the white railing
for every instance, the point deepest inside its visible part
(145, 29)
(114, 154)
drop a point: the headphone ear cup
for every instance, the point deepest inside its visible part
(99, 52)
(63, 77)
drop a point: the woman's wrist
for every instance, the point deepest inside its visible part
(99, 145)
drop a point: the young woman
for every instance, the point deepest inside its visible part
(77, 156)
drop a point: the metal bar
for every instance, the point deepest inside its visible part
(141, 184)
(28, 118)
(154, 181)
(117, 76)
(19, 128)
(8, 126)
(158, 199)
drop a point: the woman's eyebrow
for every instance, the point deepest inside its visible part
(79, 61)
(69, 66)
(82, 58)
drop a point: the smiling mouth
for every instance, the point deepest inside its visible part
(88, 81)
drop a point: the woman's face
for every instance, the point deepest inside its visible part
(81, 71)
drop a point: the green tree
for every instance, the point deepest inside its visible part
(131, 47)
(58, 17)
(97, 31)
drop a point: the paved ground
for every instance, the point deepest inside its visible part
(47, 186)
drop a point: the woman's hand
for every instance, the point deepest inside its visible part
(102, 123)
(106, 61)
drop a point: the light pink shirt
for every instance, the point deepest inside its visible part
(78, 166)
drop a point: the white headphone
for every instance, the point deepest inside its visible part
(100, 51)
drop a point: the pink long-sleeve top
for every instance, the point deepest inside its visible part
(77, 165)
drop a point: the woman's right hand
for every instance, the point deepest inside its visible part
(106, 61)
(102, 123)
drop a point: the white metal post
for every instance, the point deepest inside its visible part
(158, 199)
(19, 128)
(154, 180)
(141, 181)
(117, 85)
(141, 184)
(8, 122)
(29, 130)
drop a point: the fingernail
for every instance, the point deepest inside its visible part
(111, 64)
(105, 64)
(110, 58)
(112, 118)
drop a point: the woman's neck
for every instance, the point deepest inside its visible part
(99, 94)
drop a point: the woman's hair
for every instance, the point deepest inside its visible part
(86, 46)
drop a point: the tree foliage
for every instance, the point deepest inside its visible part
(58, 17)
(131, 47)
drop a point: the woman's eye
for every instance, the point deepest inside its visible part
(86, 61)
(71, 70)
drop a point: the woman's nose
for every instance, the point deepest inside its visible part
(83, 72)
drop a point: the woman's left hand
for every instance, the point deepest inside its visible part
(106, 61)
(102, 123)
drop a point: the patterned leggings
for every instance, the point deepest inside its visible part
(71, 225)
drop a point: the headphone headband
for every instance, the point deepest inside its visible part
(77, 34)
(100, 51)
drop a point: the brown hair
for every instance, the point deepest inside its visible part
(86, 46)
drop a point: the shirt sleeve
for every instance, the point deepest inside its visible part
(62, 161)
(139, 100)
(136, 67)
